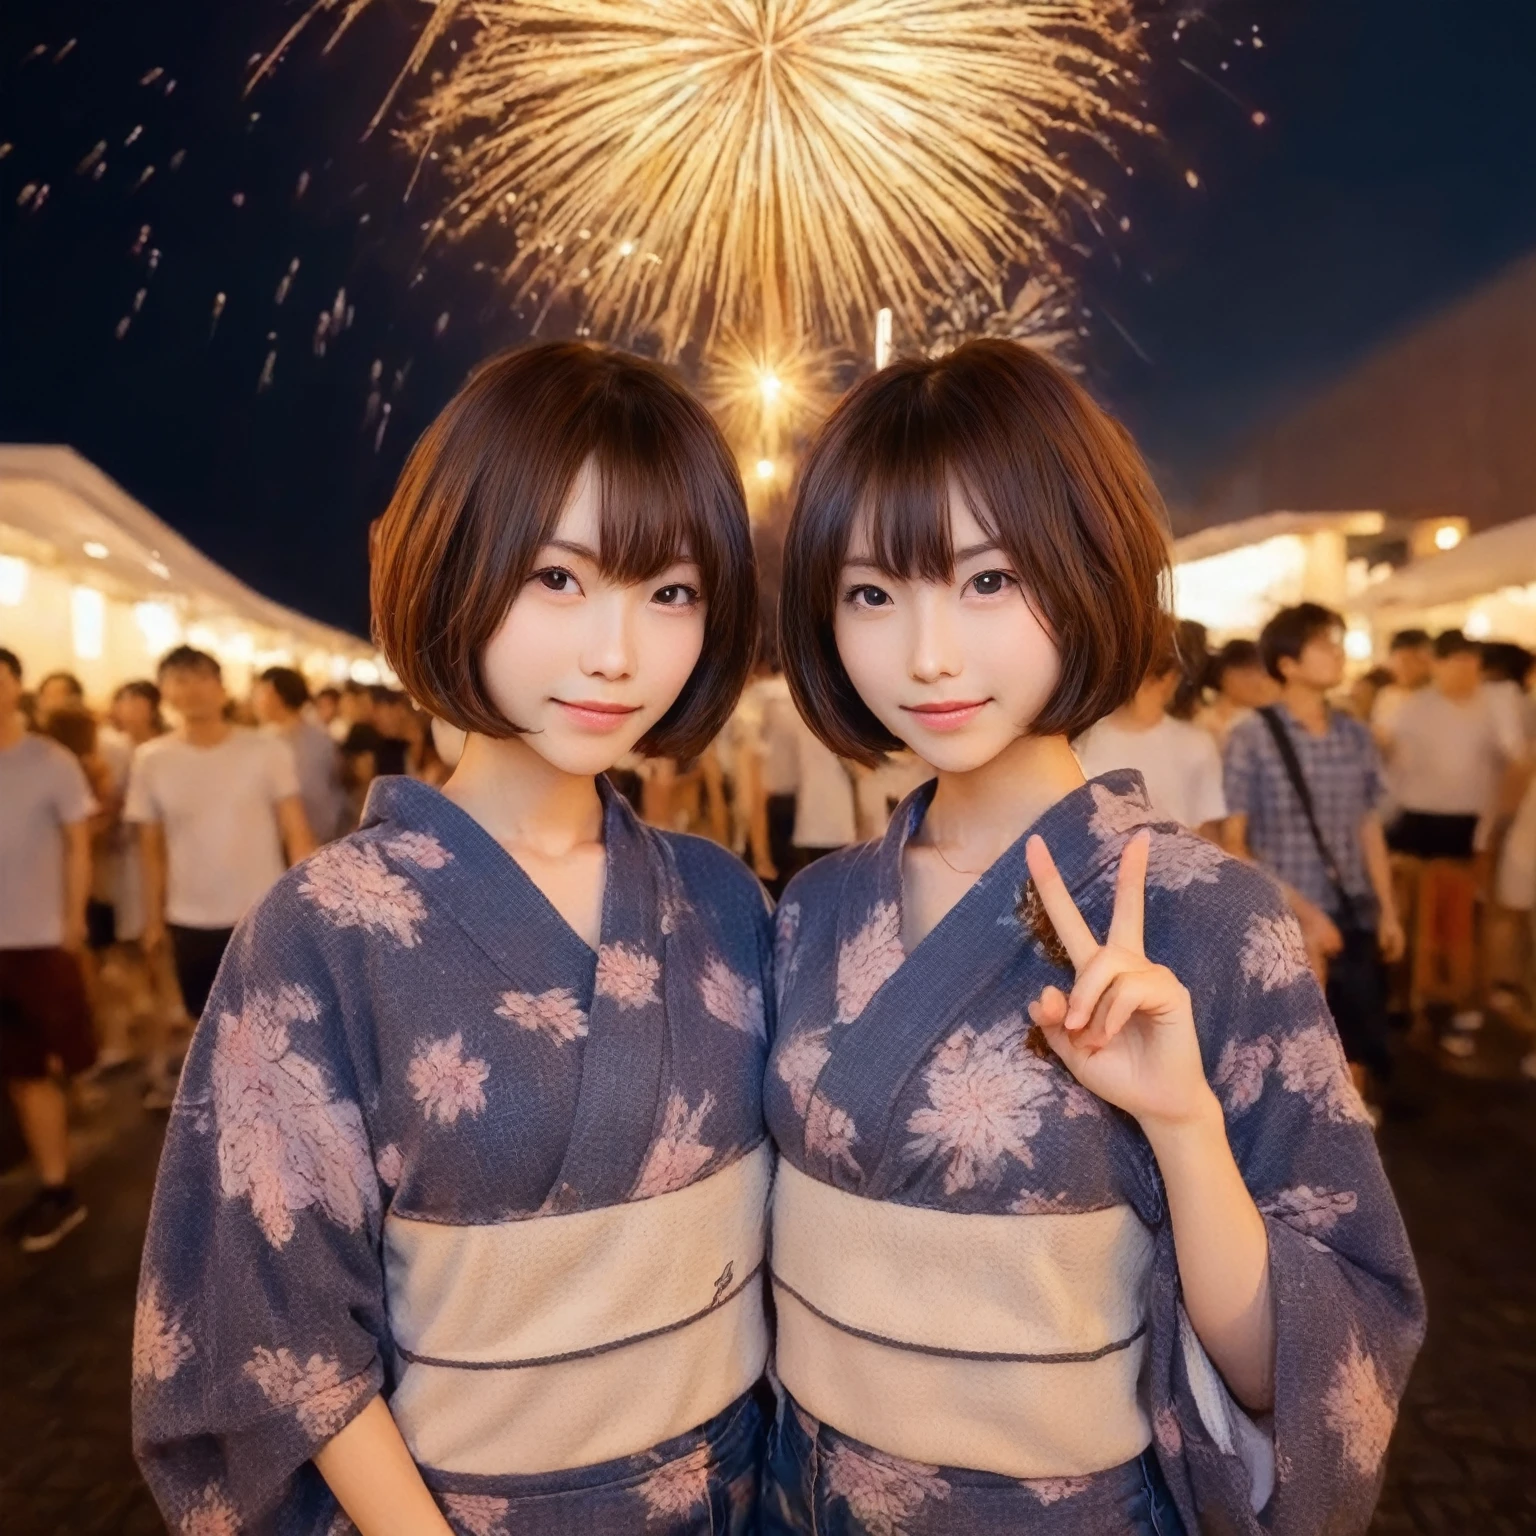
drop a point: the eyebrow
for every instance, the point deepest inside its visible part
(571, 548)
(864, 562)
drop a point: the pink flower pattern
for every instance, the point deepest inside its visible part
(481, 1514)
(353, 886)
(1239, 1075)
(799, 1065)
(443, 1082)
(679, 1154)
(830, 1132)
(1052, 1490)
(1178, 860)
(555, 1013)
(1077, 1103)
(1312, 1064)
(1273, 952)
(313, 1389)
(674, 912)
(213, 1516)
(1357, 1407)
(160, 1345)
(1030, 1202)
(1310, 1210)
(627, 975)
(868, 960)
(985, 1094)
(1116, 816)
(732, 999)
(674, 1489)
(418, 848)
(1165, 1427)
(786, 935)
(882, 1492)
(283, 1141)
(389, 1164)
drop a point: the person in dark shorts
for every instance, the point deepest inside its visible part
(218, 810)
(45, 1024)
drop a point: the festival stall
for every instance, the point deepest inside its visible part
(1485, 585)
(94, 583)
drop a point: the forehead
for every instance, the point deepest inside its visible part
(620, 526)
(923, 535)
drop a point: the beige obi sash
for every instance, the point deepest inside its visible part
(565, 1341)
(1008, 1344)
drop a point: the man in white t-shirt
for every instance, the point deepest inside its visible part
(1451, 750)
(45, 1023)
(1179, 761)
(218, 808)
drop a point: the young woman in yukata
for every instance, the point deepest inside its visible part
(1079, 1226)
(460, 1220)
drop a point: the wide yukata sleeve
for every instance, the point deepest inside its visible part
(260, 1325)
(1349, 1310)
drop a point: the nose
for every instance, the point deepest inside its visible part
(609, 644)
(934, 644)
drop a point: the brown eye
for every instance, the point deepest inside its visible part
(990, 583)
(556, 579)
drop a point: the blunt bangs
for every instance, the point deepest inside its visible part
(484, 489)
(1054, 482)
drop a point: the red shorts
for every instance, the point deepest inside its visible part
(43, 1014)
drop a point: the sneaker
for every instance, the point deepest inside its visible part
(1468, 1021)
(160, 1095)
(1459, 1046)
(52, 1216)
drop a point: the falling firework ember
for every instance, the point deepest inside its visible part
(690, 168)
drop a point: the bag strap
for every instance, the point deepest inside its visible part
(1293, 771)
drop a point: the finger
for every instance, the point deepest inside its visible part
(1126, 924)
(1152, 992)
(1092, 980)
(1049, 1008)
(1066, 1047)
(1075, 935)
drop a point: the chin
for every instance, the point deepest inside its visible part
(582, 757)
(963, 752)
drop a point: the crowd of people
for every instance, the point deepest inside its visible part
(1399, 815)
(129, 850)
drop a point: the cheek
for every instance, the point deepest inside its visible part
(871, 655)
(670, 647)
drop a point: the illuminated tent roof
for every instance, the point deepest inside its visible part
(57, 509)
(1486, 562)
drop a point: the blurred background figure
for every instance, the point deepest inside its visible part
(1178, 760)
(1410, 659)
(45, 879)
(1457, 753)
(1238, 685)
(1304, 792)
(217, 807)
(328, 710)
(280, 701)
(58, 690)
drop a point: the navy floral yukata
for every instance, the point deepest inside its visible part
(1004, 1249)
(428, 1143)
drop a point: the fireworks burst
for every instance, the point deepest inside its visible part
(686, 169)
(1039, 314)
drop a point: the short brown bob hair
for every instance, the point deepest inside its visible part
(485, 486)
(1054, 480)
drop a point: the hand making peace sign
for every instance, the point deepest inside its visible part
(1127, 1032)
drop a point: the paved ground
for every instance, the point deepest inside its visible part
(1463, 1462)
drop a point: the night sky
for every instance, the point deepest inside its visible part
(1396, 170)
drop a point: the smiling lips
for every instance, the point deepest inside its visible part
(594, 715)
(948, 714)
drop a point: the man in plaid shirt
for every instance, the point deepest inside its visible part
(1303, 649)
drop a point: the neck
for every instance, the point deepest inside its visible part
(522, 799)
(1305, 702)
(12, 728)
(206, 733)
(983, 812)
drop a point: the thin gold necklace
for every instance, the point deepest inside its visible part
(971, 873)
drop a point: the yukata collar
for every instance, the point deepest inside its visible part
(650, 951)
(891, 1008)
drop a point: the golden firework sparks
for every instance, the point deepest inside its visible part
(690, 168)
(768, 397)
